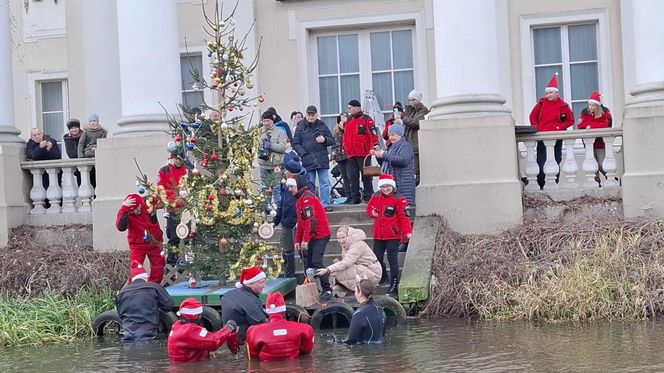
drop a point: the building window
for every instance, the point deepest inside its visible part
(570, 51)
(53, 107)
(192, 96)
(350, 63)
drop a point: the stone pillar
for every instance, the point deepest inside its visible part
(643, 124)
(468, 153)
(148, 51)
(13, 206)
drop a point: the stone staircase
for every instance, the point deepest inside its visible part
(351, 215)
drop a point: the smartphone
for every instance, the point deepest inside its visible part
(395, 112)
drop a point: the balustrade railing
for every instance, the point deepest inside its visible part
(581, 171)
(66, 188)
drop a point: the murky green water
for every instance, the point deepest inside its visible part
(420, 346)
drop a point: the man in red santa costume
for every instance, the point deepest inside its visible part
(189, 341)
(551, 113)
(279, 339)
(243, 304)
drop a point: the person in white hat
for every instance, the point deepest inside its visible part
(243, 304)
(415, 112)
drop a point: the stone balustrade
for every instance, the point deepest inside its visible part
(63, 196)
(577, 174)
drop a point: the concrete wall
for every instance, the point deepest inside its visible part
(13, 187)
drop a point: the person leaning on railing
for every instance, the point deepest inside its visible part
(41, 147)
(551, 113)
(596, 115)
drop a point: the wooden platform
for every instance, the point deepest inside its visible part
(210, 292)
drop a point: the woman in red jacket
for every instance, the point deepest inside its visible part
(144, 234)
(596, 115)
(391, 226)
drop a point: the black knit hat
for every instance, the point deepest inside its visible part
(268, 115)
(354, 103)
(73, 123)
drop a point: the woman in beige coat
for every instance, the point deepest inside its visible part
(357, 259)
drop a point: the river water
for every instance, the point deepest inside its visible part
(419, 346)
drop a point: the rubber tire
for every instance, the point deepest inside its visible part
(297, 313)
(103, 319)
(341, 309)
(211, 319)
(166, 321)
(395, 312)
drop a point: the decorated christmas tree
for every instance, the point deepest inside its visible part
(221, 207)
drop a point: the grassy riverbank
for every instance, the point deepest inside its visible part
(51, 318)
(563, 270)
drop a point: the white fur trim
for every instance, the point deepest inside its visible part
(273, 309)
(591, 101)
(139, 276)
(238, 285)
(256, 278)
(391, 182)
(191, 311)
(550, 89)
(291, 182)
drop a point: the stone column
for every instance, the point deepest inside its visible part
(643, 124)
(13, 206)
(148, 51)
(467, 147)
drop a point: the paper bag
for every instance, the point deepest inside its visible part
(306, 294)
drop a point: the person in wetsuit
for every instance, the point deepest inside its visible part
(243, 304)
(368, 322)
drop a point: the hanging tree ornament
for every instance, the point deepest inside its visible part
(182, 231)
(266, 230)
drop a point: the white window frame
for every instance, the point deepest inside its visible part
(530, 22)
(365, 69)
(205, 72)
(304, 31)
(34, 94)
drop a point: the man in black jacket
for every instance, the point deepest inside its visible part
(41, 147)
(139, 305)
(311, 141)
(243, 304)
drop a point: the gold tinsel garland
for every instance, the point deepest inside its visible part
(260, 254)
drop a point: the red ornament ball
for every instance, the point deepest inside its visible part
(193, 140)
(230, 108)
(204, 163)
(261, 98)
(178, 138)
(269, 190)
(212, 197)
(209, 207)
(214, 157)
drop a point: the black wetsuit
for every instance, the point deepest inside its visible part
(139, 305)
(244, 307)
(367, 324)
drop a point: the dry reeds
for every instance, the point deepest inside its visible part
(582, 269)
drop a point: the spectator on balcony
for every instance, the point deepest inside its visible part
(596, 115)
(339, 154)
(397, 111)
(41, 147)
(415, 112)
(72, 137)
(360, 135)
(398, 161)
(87, 145)
(551, 113)
(311, 140)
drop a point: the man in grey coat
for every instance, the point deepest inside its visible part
(413, 114)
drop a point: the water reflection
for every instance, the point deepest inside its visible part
(427, 346)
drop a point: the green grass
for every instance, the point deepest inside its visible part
(51, 318)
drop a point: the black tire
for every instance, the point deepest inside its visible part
(166, 322)
(211, 319)
(395, 312)
(297, 313)
(107, 322)
(335, 315)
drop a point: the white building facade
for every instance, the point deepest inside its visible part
(123, 59)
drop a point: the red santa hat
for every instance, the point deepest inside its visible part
(386, 179)
(190, 308)
(552, 86)
(249, 276)
(274, 303)
(595, 98)
(137, 272)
